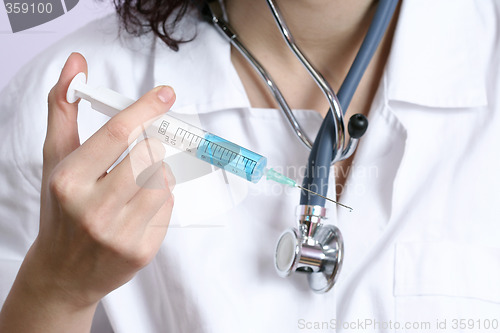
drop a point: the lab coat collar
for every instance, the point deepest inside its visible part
(434, 61)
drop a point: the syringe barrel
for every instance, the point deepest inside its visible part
(176, 133)
(208, 147)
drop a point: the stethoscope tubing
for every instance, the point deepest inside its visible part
(376, 31)
(339, 128)
(329, 145)
(324, 148)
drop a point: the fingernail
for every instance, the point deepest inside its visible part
(165, 94)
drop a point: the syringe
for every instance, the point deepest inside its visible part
(185, 137)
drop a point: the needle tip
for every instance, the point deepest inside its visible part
(335, 202)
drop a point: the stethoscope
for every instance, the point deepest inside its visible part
(313, 247)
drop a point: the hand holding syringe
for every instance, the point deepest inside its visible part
(185, 137)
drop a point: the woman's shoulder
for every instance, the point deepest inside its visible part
(102, 42)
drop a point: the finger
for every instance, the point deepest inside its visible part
(62, 130)
(98, 153)
(150, 199)
(156, 229)
(133, 173)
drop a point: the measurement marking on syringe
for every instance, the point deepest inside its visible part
(184, 136)
(199, 144)
(206, 146)
(225, 155)
(197, 139)
(163, 127)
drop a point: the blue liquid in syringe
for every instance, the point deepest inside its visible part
(209, 148)
(232, 158)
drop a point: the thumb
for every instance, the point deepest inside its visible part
(62, 128)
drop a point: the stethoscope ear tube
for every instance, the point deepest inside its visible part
(213, 12)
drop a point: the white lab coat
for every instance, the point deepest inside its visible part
(422, 246)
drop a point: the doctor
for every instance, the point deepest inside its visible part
(82, 249)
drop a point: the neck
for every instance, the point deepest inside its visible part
(328, 31)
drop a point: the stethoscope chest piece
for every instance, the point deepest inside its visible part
(313, 248)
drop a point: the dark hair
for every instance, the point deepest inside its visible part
(159, 16)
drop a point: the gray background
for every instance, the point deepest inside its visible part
(16, 49)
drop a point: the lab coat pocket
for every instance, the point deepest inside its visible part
(447, 287)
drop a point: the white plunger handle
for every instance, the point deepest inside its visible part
(104, 100)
